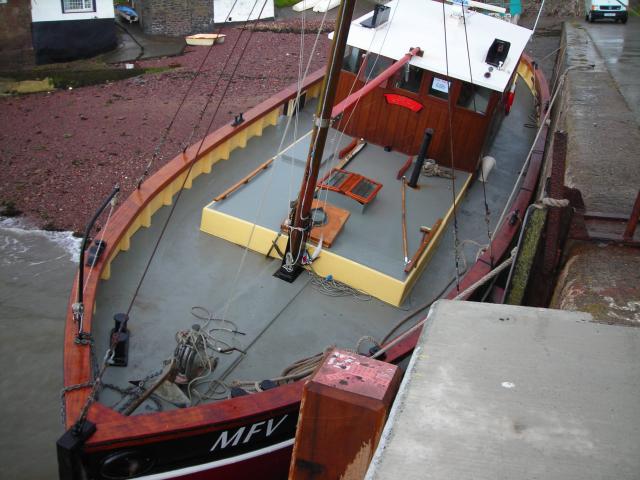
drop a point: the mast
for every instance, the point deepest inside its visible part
(301, 225)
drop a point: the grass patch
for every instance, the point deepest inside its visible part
(285, 3)
(82, 78)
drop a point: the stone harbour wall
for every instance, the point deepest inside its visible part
(175, 17)
(15, 25)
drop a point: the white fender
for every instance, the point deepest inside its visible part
(305, 5)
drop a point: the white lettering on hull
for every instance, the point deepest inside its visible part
(233, 438)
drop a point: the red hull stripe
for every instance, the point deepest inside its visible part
(402, 101)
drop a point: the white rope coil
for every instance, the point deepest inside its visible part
(432, 169)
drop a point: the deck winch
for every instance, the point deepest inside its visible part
(191, 355)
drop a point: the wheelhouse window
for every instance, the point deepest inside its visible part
(439, 88)
(474, 98)
(353, 58)
(77, 6)
(376, 64)
(410, 78)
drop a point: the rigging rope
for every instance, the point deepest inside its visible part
(542, 125)
(487, 278)
(97, 383)
(487, 212)
(215, 86)
(192, 163)
(334, 157)
(262, 202)
(165, 133)
(453, 180)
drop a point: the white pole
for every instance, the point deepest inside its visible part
(537, 18)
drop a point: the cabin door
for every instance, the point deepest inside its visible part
(231, 11)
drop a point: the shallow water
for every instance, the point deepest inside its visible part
(36, 271)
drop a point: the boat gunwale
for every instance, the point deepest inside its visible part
(76, 358)
(116, 430)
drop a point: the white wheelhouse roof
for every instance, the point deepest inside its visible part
(419, 23)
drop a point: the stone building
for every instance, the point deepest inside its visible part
(175, 17)
(15, 32)
(185, 17)
(55, 30)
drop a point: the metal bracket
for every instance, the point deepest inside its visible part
(322, 122)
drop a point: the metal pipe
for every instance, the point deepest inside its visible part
(79, 307)
(426, 141)
(405, 242)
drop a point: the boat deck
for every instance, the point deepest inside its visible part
(372, 236)
(282, 322)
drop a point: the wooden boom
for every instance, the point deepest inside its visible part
(374, 83)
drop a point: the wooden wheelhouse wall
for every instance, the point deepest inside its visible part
(402, 129)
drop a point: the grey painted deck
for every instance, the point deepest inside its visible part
(497, 391)
(372, 237)
(283, 322)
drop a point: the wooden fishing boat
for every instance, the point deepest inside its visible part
(224, 302)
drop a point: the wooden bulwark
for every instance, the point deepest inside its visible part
(137, 211)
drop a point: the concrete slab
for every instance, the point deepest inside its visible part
(515, 392)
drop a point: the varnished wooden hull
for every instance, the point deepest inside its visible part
(244, 437)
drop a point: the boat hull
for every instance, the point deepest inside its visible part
(245, 450)
(244, 437)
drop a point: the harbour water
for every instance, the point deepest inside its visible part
(36, 268)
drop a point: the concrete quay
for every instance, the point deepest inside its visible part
(600, 112)
(497, 391)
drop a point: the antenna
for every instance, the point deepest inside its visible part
(471, 3)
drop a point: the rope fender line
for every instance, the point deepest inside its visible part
(485, 279)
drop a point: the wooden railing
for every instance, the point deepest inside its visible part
(138, 209)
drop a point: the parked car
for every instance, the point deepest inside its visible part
(608, 9)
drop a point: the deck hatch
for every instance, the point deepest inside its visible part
(354, 185)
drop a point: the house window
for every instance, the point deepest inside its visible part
(352, 59)
(439, 88)
(75, 6)
(474, 98)
(410, 78)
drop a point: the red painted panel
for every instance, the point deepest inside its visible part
(402, 101)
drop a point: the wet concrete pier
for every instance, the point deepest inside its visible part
(498, 391)
(601, 114)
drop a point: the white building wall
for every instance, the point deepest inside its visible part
(51, 11)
